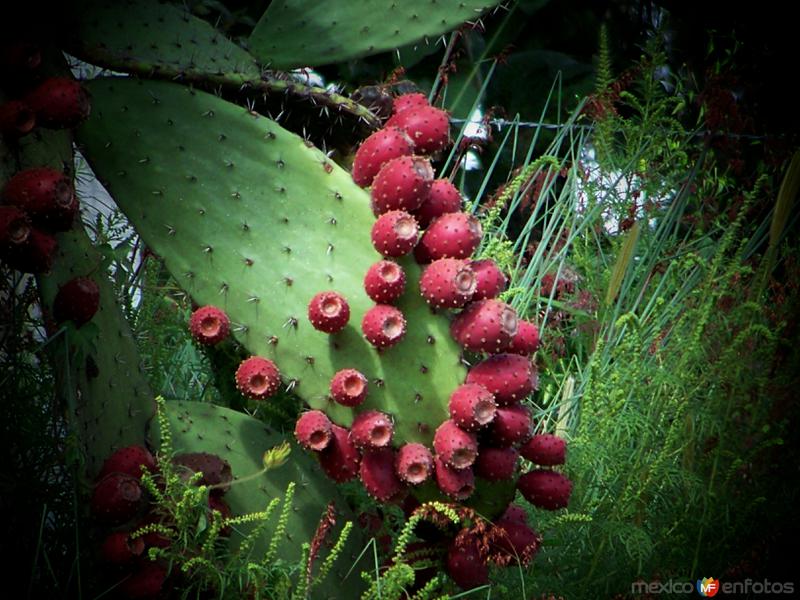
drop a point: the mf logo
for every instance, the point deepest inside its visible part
(707, 587)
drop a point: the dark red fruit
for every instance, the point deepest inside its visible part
(46, 195)
(456, 447)
(59, 102)
(402, 184)
(485, 326)
(526, 342)
(443, 198)
(378, 475)
(146, 582)
(385, 282)
(35, 255)
(340, 459)
(496, 464)
(456, 483)
(209, 325)
(545, 449)
(349, 387)
(372, 430)
(406, 101)
(116, 498)
(19, 55)
(472, 406)
(514, 513)
(328, 312)
(515, 540)
(414, 463)
(77, 301)
(511, 425)
(545, 489)
(313, 430)
(15, 227)
(16, 119)
(258, 378)
(454, 235)
(383, 326)
(129, 460)
(216, 471)
(464, 563)
(491, 281)
(216, 503)
(378, 149)
(395, 233)
(447, 283)
(427, 126)
(509, 377)
(119, 549)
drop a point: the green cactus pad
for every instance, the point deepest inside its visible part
(298, 33)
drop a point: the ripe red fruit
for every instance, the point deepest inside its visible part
(496, 464)
(378, 149)
(485, 326)
(395, 233)
(128, 460)
(119, 549)
(514, 513)
(456, 447)
(383, 326)
(59, 102)
(447, 283)
(35, 255)
(443, 198)
(116, 498)
(328, 312)
(378, 475)
(15, 227)
(385, 282)
(472, 406)
(401, 184)
(545, 449)
(526, 342)
(46, 195)
(313, 430)
(77, 301)
(406, 101)
(454, 235)
(215, 470)
(209, 325)
(258, 378)
(516, 541)
(456, 483)
(19, 56)
(372, 430)
(16, 119)
(511, 425)
(414, 463)
(340, 459)
(216, 503)
(349, 387)
(509, 377)
(491, 281)
(545, 489)
(464, 563)
(427, 126)
(146, 582)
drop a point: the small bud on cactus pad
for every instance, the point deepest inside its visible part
(116, 498)
(485, 326)
(406, 101)
(341, 458)
(427, 126)
(509, 377)
(372, 430)
(496, 464)
(215, 469)
(35, 255)
(402, 184)
(46, 195)
(313, 430)
(511, 425)
(395, 233)
(456, 483)
(128, 460)
(146, 582)
(464, 563)
(15, 227)
(349, 387)
(545, 489)
(472, 406)
(383, 325)
(414, 463)
(377, 474)
(443, 198)
(77, 301)
(447, 283)
(516, 541)
(385, 282)
(526, 342)
(209, 325)
(456, 447)
(119, 549)
(545, 449)
(59, 102)
(454, 235)
(491, 281)
(16, 119)
(378, 149)
(328, 312)
(258, 378)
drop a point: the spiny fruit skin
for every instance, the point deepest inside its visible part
(378, 149)
(116, 498)
(485, 326)
(545, 449)
(427, 126)
(258, 378)
(401, 184)
(128, 460)
(496, 464)
(411, 100)
(59, 102)
(456, 447)
(514, 512)
(511, 426)
(378, 475)
(385, 282)
(340, 459)
(209, 325)
(453, 235)
(456, 483)
(372, 430)
(472, 406)
(491, 280)
(464, 563)
(510, 377)
(313, 430)
(516, 540)
(146, 582)
(120, 549)
(545, 489)
(16, 119)
(15, 227)
(447, 283)
(443, 198)
(383, 325)
(46, 195)
(328, 312)
(35, 255)
(395, 233)
(414, 463)
(349, 387)
(77, 301)
(526, 342)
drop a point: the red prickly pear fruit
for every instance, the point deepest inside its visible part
(216, 471)
(15, 227)
(328, 312)
(313, 430)
(545, 449)
(147, 582)
(46, 195)
(511, 425)
(128, 460)
(472, 406)
(545, 489)
(59, 102)
(209, 325)
(421, 255)
(16, 119)
(258, 378)
(395, 233)
(414, 463)
(485, 326)
(401, 184)
(526, 342)
(385, 282)
(514, 513)
(340, 459)
(377, 474)
(491, 281)
(153, 539)
(77, 301)
(510, 377)
(383, 326)
(119, 549)
(406, 101)
(496, 464)
(349, 387)
(456, 483)
(447, 283)
(378, 149)
(443, 198)
(216, 503)
(515, 540)
(453, 235)
(116, 498)
(35, 255)
(456, 447)
(372, 430)
(464, 564)
(20, 56)
(427, 126)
